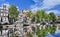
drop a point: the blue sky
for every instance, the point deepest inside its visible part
(47, 5)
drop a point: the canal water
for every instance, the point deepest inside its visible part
(57, 34)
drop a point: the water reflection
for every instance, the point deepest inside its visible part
(57, 34)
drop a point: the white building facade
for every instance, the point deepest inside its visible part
(4, 14)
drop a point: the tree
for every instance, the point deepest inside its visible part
(47, 16)
(52, 30)
(12, 35)
(38, 15)
(52, 16)
(30, 14)
(44, 32)
(13, 11)
(43, 14)
(29, 34)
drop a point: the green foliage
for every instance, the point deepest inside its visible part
(41, 33)
(29, 34)
(44, 32)
(30, 14)
(38, 32)
(47, 17)
(53, 29)
(38, 15)
(12, 35)
(41, 14)
(52, 16)
(13, 11)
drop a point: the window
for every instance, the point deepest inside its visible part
(4, 14)
(3, 18)
(6, 19)
(1, 14)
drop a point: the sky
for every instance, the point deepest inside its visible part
(47, 5)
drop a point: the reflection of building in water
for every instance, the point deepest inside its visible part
(58, 17)
(3, 14)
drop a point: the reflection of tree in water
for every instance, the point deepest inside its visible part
(29, 34)
(44, 32)
(12, 35)
(52, 29)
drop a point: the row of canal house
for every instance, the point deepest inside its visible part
(22, 16)
(4, 15)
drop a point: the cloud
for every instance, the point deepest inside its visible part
(36, 5)
(50, 3)
(57, 12)
(45, 4)
(7, 5)
(35, 0)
